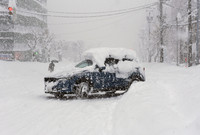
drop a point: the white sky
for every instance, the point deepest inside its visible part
(117, 31)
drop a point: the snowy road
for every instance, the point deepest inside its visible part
(167, 103)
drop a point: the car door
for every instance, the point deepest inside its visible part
(122, 75)
(103, 80)
(108, 79)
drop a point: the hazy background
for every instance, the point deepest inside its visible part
(113, 31)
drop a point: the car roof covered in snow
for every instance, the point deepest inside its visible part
(99, 55)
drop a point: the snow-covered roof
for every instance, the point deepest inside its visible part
(99, 55)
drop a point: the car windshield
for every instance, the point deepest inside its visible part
(84, 63)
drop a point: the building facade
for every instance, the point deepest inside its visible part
(16, 30)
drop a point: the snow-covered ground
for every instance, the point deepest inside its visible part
(168, 103)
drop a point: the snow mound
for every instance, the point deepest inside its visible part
(167, 103)
(100, 54)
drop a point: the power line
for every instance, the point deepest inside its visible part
(91, 29)
(125, 11)
(103, 12)
(83, 22)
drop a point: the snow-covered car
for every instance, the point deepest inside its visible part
(103, 71)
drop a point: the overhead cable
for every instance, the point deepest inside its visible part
(104, 12)
(117, 12)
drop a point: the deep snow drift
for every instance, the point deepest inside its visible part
(167, 103)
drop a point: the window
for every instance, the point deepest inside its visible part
(111, 61)
(84, 63)
(127, 59)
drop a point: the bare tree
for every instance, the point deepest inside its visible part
(40, 45)
(47, 41)
(33, 43)
(189, 33)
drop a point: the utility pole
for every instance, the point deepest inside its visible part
(197, 34)
(177, 41)
(161, 32)
(149, 20)
(189, 56)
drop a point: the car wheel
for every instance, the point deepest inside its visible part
(59, 95)
(82, 90)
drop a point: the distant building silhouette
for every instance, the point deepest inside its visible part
(17, 30)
